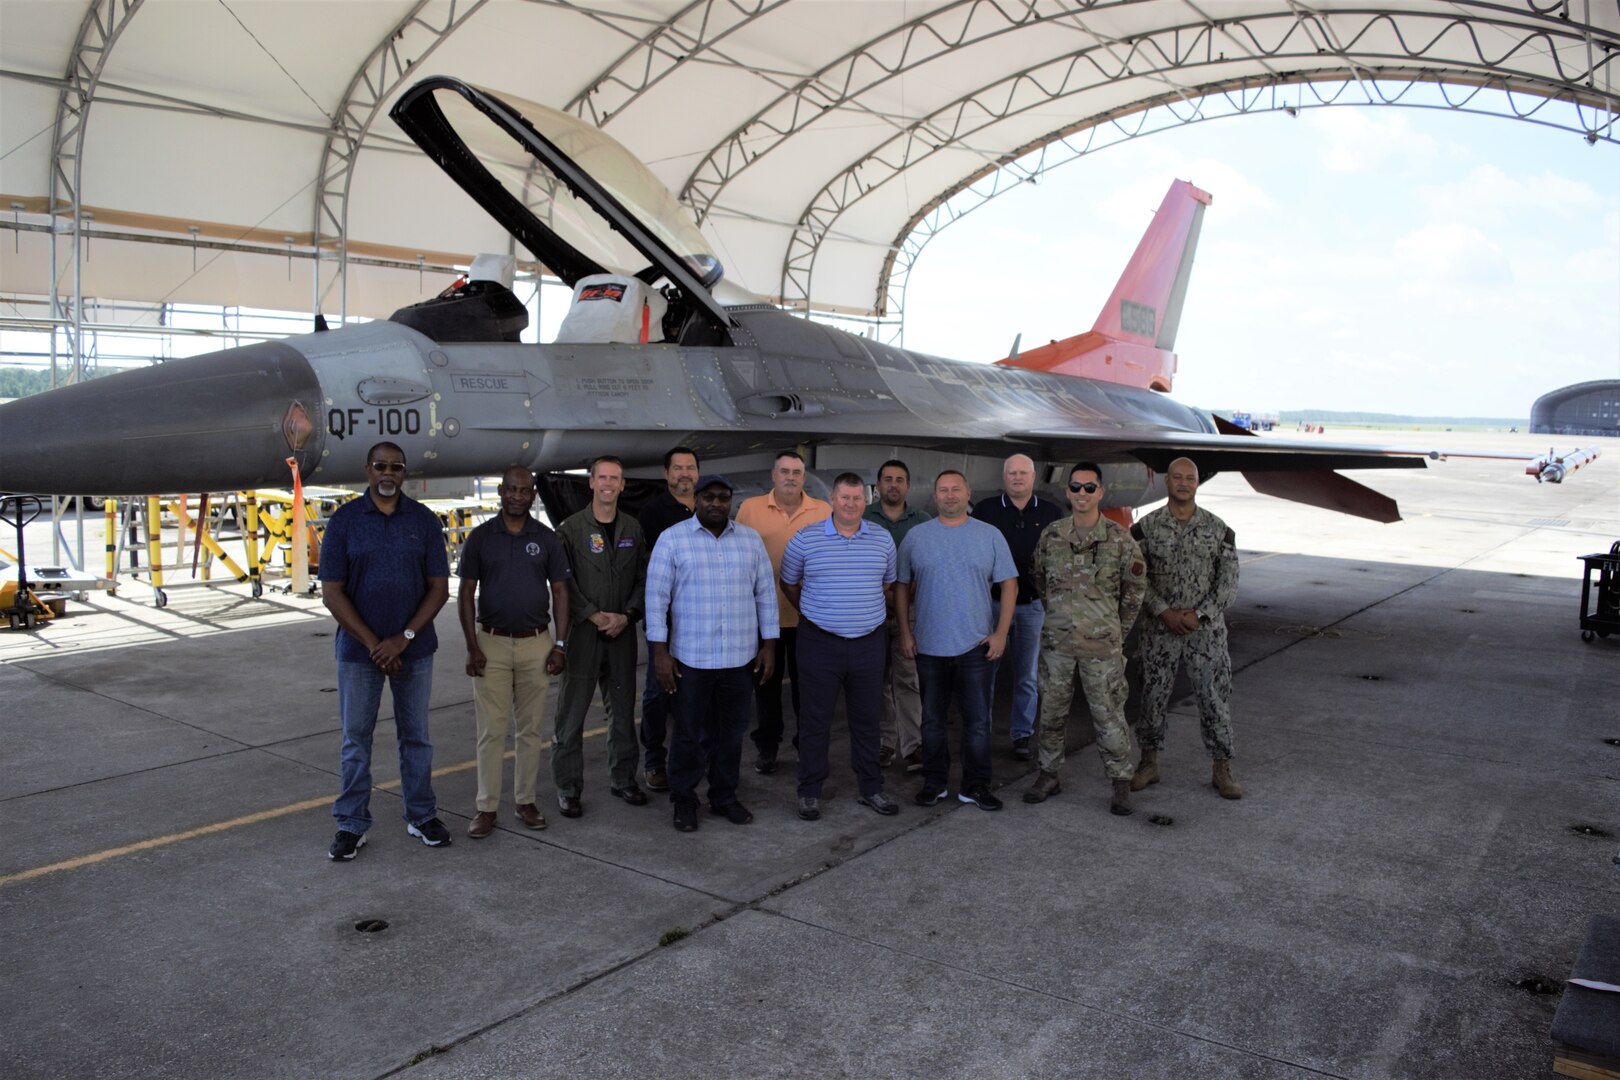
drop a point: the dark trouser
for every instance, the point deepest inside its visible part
(609, 663)
(855, 665)
(709, 717)
(969, 678)
(654, 717)
(768, 698)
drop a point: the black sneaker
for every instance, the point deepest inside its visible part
(1021, 750)
(345, 845)
(914, 761)
(928, 795)
(765, 764)
(980, 796)
(736, 813)
(431, 832)
(630, 794)
(686, 817)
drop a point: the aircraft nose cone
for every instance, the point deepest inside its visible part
(220, 422)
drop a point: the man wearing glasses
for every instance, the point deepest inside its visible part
(1021, 514)
(1092, 575)
(384, 576)
(514, 581)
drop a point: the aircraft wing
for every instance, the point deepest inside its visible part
(1228, 453)
(1299, 470)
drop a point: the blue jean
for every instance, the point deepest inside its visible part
(1022, 661)
(360, 687)
(970, 678)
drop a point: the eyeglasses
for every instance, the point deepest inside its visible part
(1089, 489)
(388, 466)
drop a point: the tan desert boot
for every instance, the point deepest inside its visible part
(1225, 782)
(1147, 771)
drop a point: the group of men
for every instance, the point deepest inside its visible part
(902, 614)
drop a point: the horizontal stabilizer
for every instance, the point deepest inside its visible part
(1327, 490)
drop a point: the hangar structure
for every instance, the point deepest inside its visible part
(1586, 408)
(239, 152)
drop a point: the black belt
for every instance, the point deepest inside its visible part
(517, 633)
(806, 622)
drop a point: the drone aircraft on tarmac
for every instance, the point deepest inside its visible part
(706, 364)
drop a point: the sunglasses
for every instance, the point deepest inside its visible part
(388, 466)
(1089, 489)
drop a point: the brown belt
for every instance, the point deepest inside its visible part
(518, 633)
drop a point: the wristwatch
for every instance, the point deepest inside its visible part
(560, 643)
(410, 635)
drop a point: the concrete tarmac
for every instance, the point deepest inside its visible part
(1420, 731)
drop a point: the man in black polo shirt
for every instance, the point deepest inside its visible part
(1020, 514)
(506, 565)
(669, 507)
(384, 576)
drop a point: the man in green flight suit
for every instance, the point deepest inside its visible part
(606, 597)
(1090, 573)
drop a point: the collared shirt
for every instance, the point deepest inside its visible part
(513, 571)
(953, 567)
(1021, 528)
(712, 598)
(660, 512)
(842, 576)
(384, 562)
(897, 529)
(776, 527)
(1190, 565)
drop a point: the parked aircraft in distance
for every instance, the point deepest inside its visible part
(666, 352)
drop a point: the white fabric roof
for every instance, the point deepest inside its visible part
(808, 135)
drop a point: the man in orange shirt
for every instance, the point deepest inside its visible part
(776, 516)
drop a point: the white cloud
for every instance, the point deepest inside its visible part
(1365, 139)
(1454, 253)
(1489, 195)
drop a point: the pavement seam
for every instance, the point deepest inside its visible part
(1016, 985)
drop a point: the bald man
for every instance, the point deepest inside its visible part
(1020, 515)
(1192, 580)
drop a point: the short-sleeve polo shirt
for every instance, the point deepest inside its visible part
(384, 562)
(514, 572)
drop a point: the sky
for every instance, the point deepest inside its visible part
(1379, 259)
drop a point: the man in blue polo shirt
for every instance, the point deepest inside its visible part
(384, 575)
(839, 573)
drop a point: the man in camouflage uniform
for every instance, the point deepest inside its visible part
(1091, 575)
(1192, 580)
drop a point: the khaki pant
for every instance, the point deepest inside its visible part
(901, 723)
(514, 683)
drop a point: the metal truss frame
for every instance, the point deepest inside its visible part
(1277, 40)
(103, 23)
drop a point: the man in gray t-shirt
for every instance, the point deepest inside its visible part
(946, 569)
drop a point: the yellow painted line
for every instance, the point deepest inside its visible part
(233, 823)
(1260, 558)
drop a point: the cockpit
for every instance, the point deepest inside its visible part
(583, 205)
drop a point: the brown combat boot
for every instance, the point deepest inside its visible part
(1147, 771)
(1225, 782)
(1045, 785)
(1121, 803)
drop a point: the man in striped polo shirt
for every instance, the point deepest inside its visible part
(840, 573)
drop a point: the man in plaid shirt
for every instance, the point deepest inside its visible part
(712, 628)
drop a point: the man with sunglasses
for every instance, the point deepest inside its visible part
(1192, 580)
(384, 576)
(1092, 576)
(1020, 514)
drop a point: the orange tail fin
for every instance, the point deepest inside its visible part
(1132, 339)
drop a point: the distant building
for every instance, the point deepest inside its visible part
(1588, 408)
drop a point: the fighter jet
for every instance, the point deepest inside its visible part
(658, 350)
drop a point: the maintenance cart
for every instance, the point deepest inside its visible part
(1603, 578)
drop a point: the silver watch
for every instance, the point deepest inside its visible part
(410, 635)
